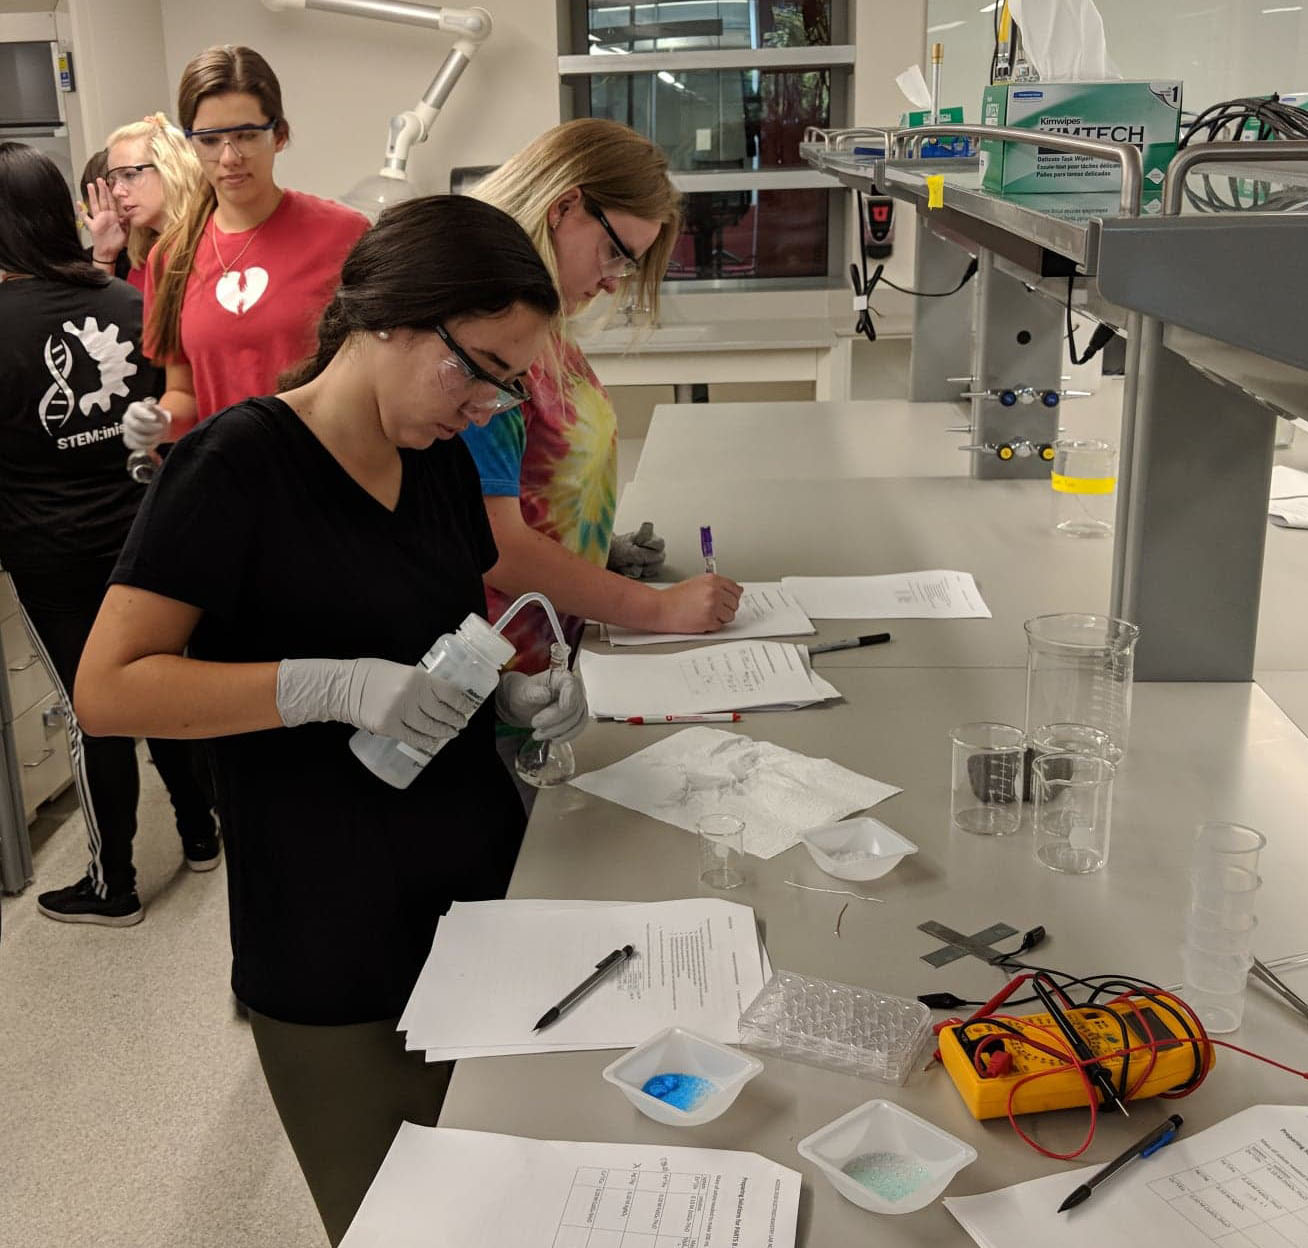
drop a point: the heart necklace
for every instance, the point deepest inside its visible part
(213, 238)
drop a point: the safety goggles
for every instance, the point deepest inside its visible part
(243, 140)
(622, 261)
(462, 373)
(125, 175)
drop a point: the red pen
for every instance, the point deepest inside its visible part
(715, 717)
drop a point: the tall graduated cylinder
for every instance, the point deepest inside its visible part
(470, 659)
(1079, 670)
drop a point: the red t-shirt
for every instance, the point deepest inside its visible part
(136, 276)
(241, 329)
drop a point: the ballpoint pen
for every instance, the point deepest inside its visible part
(1161, 1136)
(1076, 1041)
(709, 717)
(849, 643)
(602, 969)
(706, 548)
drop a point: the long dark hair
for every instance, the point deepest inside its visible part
(427, 261)
(38, 232)
(225, 70)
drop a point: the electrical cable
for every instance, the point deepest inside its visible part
(1102, 336)
(1126, 990)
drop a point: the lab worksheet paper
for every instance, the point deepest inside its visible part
(698, 771)
(495, 967)
(938, 595)
(733, 676)
(1240, 1184)
(473, 1189)
(765, 610)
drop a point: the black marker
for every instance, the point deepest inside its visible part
(849, 643)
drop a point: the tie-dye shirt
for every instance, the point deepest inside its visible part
(558, 454)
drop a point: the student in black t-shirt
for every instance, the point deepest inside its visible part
(70, 363)
(295, 556)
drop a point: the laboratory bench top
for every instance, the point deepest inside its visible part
(1000, 531)
(732, 335)
(735, 442)
(1196, 751)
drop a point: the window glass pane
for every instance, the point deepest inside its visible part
(718, 119)
(691, 25)
(752, 234)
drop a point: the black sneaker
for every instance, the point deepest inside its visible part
(203, 854)
(78, 904)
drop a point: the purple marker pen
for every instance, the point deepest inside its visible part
(706, 548)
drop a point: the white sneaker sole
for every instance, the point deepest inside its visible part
(100, 920)
(205, 864)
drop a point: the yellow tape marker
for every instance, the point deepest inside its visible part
(1082, 485)
(935, 184)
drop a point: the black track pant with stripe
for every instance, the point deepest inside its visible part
(59, 608)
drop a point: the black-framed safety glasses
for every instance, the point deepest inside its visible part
(508, 394)
(125, 175)
(624, 263)
(245, 140)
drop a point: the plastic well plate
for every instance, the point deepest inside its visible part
(856, 849)
(915, 1155)
(677, 1051)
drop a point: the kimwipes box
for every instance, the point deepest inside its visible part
(1146, 114)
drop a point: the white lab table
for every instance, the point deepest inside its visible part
(1197, 751)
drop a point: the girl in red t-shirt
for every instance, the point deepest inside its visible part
(233, 290)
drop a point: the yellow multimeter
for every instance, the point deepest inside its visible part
(1179, 1058)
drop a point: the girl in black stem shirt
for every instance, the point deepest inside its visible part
(70, 364)
(304, 551)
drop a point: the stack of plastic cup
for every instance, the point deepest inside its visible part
(1219, 928)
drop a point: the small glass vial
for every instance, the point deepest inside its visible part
(544, 764)
(470, 658)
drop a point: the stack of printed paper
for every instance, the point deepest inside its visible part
(495, 967)
(472, 1189)
(734, 676)
(765, 610)
(699, 771)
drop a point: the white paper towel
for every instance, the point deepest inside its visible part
(1064, 39)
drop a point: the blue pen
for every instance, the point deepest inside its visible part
(706, 548)
(1159, 1137)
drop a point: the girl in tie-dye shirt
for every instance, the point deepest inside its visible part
(596, 199)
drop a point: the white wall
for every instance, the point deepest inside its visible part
(118, 62)
(343, 78)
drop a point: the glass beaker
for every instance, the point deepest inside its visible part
(1084, 480)
(986, 779)
(1079, 670)
(543, 764)
(1072, 811)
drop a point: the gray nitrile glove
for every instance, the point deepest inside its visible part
(394, 700)
(638, 555)
(551, 704)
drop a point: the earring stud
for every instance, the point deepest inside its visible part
(384, 335)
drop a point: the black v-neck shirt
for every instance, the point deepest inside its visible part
(335, 879)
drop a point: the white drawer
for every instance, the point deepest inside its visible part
(43, 762)
(29, 682)
(8, 599)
